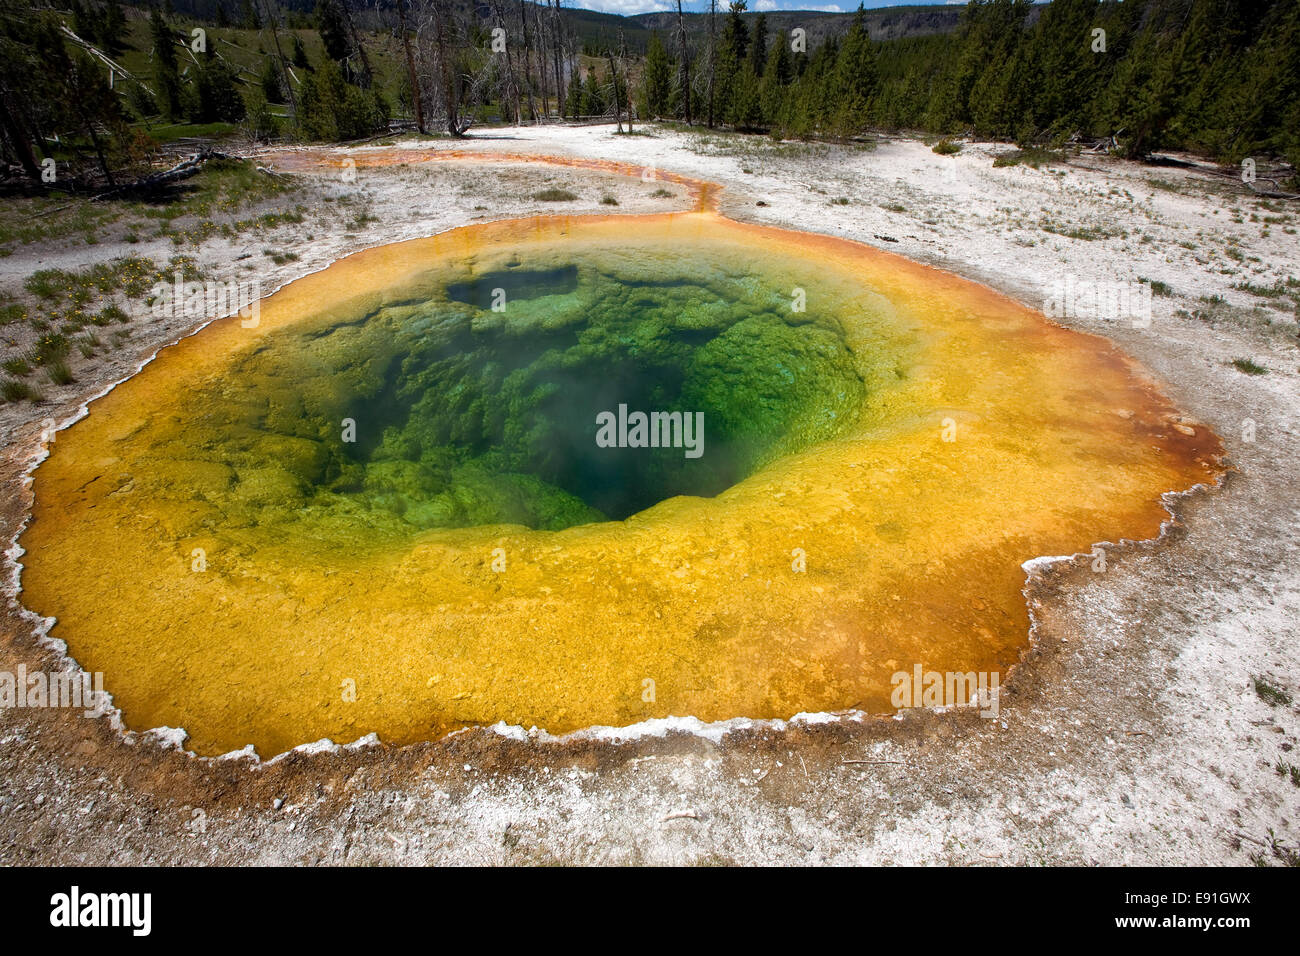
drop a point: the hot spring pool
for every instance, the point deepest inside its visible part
(390, 506)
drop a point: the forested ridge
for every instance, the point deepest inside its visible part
(97, 84)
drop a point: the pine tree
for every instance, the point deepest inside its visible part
(657, 78)
(758, 46)
(1066, 66)
(272, 90)
(212, 95)
(112, 28)
(731, 57)
(593, 98)
(780, 61)
(333, 30)
(166, 75)
(853, 82)
(574, 99)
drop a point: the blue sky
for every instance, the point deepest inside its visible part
(649, 6)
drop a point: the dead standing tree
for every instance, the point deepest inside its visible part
(557, 54)
(540, 20)
(366, 75)
(684, 52)
(269, 18)
(613, 75)
(510, 89)
(417, 101)
(528, 61)
(450, 87)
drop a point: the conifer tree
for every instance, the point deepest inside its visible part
(166, 73)
(657, 78)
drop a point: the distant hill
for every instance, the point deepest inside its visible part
(597, 29)
(885, 23)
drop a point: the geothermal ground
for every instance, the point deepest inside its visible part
(1144, 726)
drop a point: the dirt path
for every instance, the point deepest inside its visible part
(1135, 733)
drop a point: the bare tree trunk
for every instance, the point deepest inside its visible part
(416, 99)
(613, 75)
(512, 86)
(451, 95)
(542, 72)
(558, 38)
(366, 74)
(269, 20)
(627, 92)
(528, 62)
(686, 63)
(99, 147)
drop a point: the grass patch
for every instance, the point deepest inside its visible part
(1033, 156)
(608, 200)
(555, 195)
(110, 314)
(1249, 368)
(280, 258)
(1286, 770)
(662, 194)
(14, 391)
(49, 348)
(1085, 233)
(1277, 850)
(1277, 290)
(59, 373)
(946, 147)
(1273, 696)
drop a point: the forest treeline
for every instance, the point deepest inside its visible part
(1217, 77)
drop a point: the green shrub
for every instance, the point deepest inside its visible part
(59, 372)
(329, 108)
(49, 348)
(15, 391)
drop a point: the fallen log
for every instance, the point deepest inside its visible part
(182, 170)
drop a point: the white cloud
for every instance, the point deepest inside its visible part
(765, 6)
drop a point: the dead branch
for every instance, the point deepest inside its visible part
(182, 170)
(103, 58)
